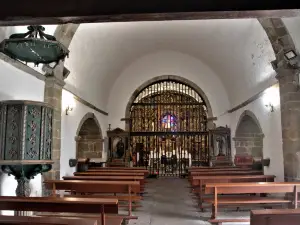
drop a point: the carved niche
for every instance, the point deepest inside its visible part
(220, 145)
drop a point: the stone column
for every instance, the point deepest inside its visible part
(53, 96)
(290, 121)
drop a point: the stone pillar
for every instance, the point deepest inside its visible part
(290, 121)
(53, 96)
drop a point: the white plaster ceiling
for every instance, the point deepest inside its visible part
(237, 50)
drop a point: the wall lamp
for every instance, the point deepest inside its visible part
(68, 102)
(270, 106)
(290, 55)
(69, 109)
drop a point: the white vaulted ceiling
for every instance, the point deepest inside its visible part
(237, 51)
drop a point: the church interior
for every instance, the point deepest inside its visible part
(153, 117)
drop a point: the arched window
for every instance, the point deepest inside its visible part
(169, 122)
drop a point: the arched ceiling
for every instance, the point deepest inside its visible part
(237, 50)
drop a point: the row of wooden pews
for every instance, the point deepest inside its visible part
(127, 185)
(96, 197)
(90, 208)
(238, 187)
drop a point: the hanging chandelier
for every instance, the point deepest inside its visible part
(34, 46)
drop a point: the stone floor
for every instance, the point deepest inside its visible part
(168, 202)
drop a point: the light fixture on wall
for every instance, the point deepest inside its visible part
(290, 55)
(68, 102)
(69, 109)
(271, 98)
(270, 106)
(292, 58)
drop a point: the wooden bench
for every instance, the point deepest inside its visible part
(248, 188)
(199, 182)
(62, 205)
(141, 179)
(221, 221)
(95, 189)
(104, 173)
(231, 173)
(275, 217)
(118, 168)
(219, 169)
(207, 167)
(145, 172)
(43, 220)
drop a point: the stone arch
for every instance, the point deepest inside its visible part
(279, 38)
(65, 33)
(168, 77)
(249, 136)
(89, 115)
(89, 141)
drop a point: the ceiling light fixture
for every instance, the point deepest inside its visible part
(34, 46)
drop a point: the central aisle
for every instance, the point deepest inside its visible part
(168, 202)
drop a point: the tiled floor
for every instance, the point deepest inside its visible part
(168, 202)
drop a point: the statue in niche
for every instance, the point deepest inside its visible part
(120, 149)
(220, 142)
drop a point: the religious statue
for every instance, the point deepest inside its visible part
(120, 149)
(220, 142)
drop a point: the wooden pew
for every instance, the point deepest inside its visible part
(248, 188)
(275, 217)
(130, 188)
(207, 167)
(231, 173)
(59, 205)
(223, 173)
(199, 182)
(118, 168)
(220, 169)
(141, 179)
(104, 173)
(145, 172)
(44, 220)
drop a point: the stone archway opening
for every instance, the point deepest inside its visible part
(249, 136)
(89, 141)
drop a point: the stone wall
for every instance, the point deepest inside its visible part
(89, 146)
(89, 142)
(248, 138)
(251, 144)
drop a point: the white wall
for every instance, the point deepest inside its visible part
(270, 123)
(16, 84)
(69, 127)
(166, 63)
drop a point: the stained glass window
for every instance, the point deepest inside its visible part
(169, 122)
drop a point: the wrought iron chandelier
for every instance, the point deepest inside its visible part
(34, 46)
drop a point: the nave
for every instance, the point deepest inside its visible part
(169, 202)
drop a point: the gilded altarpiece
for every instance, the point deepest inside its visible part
(168, 129)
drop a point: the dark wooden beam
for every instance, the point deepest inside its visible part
(18, 12)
